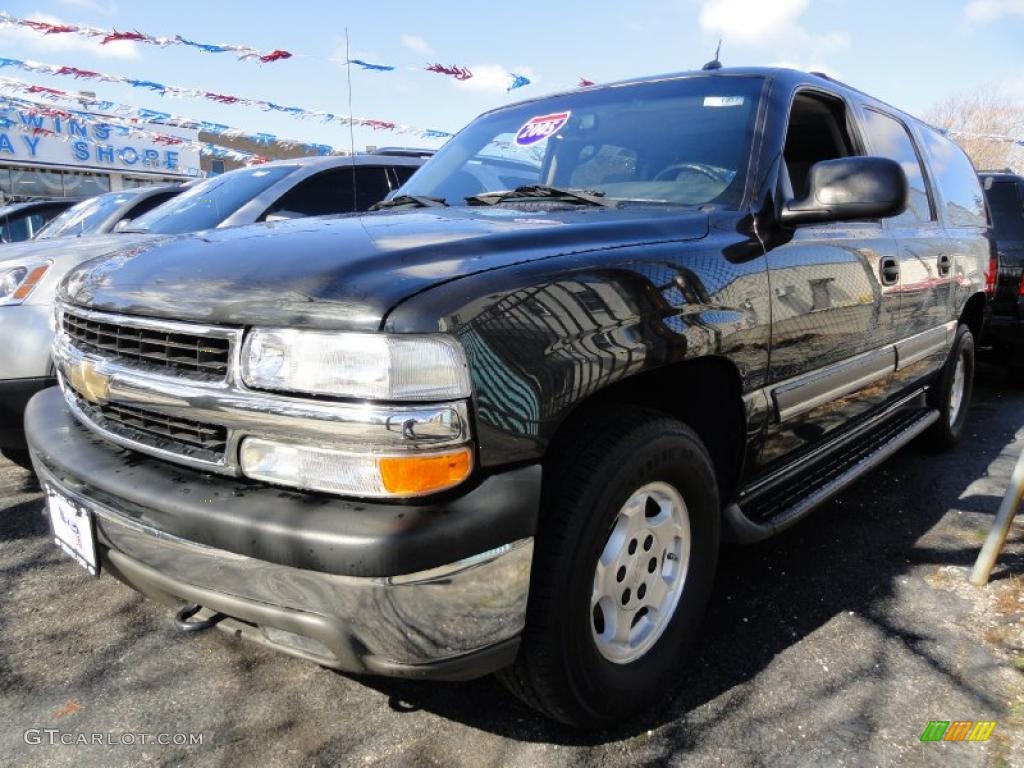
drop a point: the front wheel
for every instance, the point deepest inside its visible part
(951, 394)
(624, 562)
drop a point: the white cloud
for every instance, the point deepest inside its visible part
(751, 22)
(493, 78)
(982, 11)
(417, 44)
(104, 9)
(63, 43)
(773, 25)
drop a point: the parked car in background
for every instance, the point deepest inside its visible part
(284, 189)
(22, 221)
(30, 272)
(103, 213)
(493, 428)
(1005, 328)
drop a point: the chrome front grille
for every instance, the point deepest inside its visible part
(174, 434)
(165, 351)
(173, 389)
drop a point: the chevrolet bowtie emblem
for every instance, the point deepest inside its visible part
(88, 382)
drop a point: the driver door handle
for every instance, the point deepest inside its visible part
(890, 270)
(945, 265)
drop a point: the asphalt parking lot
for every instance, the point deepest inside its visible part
(833, 645)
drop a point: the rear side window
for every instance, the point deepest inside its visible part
(957, 181)
(1004, 200)
(888, 137)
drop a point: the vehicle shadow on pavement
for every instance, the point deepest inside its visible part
(848, 558)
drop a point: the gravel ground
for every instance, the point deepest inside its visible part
(834, 644)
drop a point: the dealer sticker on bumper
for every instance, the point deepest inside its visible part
(72, 529)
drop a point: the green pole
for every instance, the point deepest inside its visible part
(1000, 527)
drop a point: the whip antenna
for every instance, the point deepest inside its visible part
(351, 129)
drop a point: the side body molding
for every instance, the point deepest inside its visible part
(799, 395)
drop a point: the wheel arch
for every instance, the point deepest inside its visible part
(973, 314)
(705, 393)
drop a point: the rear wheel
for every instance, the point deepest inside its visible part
(951, 394)
(624, 562)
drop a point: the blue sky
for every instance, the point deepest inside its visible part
(909, 53)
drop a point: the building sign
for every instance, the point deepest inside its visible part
(94, 145)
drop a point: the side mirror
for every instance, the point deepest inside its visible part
(122, 225)
(849, 189)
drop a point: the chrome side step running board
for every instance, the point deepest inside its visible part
(777, 506)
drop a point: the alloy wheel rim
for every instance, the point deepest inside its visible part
(956, 394)
(641, 572)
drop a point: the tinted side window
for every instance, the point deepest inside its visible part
(1004, 200)
(331, 192)
(371, 187)
(37, 221)
(817, 132)
(403, 172)
(14, 229)
(888, 137)
(957, 181)
(150, 203)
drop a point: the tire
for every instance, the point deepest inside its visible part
(563, 668)
(19, 457)
(1016, 375)
(947, 431)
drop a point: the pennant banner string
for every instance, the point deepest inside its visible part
(142, 115)
(983, 136)
(243, 52)
(41, 110)
(106, 36)
(196, 93)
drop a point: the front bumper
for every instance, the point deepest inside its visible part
(454, 611)
(28, 331)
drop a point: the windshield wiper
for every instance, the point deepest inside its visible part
(544, 192)
(419, 201)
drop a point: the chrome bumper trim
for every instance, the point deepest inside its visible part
(365, 623)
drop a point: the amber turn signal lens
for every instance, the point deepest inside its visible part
(30, 282)
(417, 474)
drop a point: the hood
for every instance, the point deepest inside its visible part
(347, 272)
(67, 250)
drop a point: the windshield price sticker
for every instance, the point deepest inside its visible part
(541, 127)
(723, 101)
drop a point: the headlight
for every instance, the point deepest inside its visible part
(371, 366)
(354, 474)
(16, 283)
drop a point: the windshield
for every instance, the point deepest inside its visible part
(85, 218)
(683, 141)
(209, 203)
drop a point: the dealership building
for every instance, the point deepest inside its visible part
(52, 157)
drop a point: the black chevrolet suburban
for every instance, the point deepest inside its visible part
(504, 426)
(1004, 329)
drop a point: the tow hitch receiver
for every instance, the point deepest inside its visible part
(182, 619)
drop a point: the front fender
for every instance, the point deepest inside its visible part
(543, 337)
